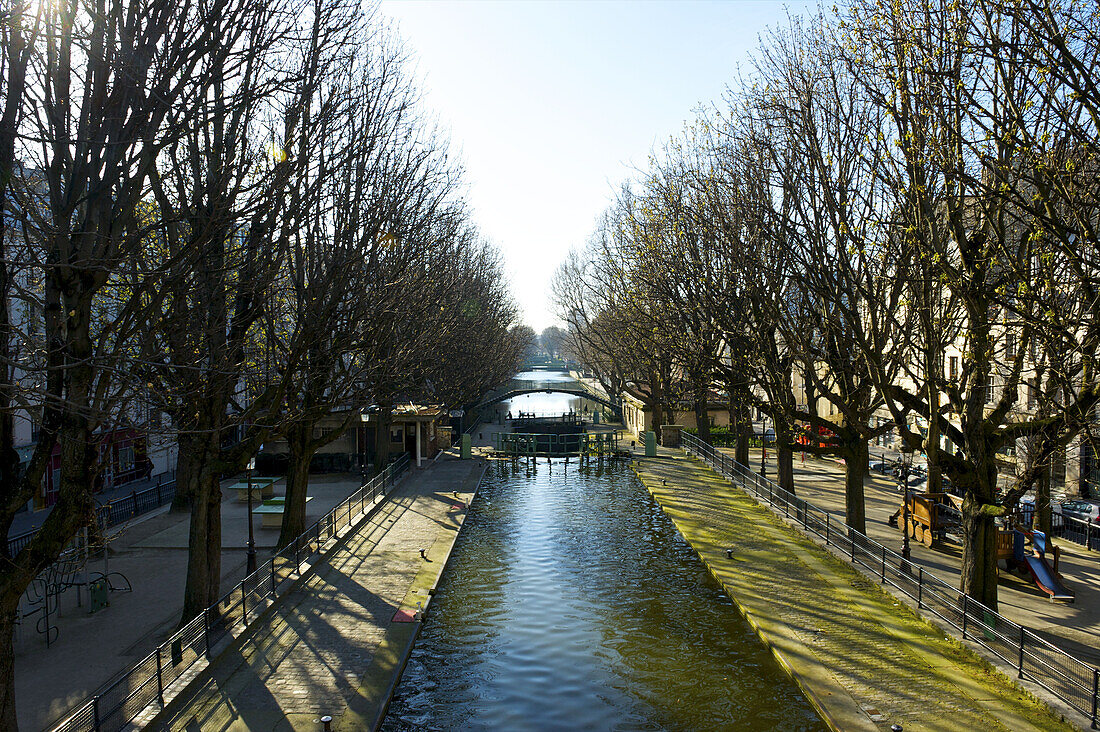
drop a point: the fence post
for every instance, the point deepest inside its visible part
(852, 542)
(1095, 694)
(920, 585)
(160, 681)
(273, 585)
(297, 558)
(95, 711)
(966, 599)
(882, 576)
(827, 528)
(1021, 652)
(244, 605)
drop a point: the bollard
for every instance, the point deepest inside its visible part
(327, 722)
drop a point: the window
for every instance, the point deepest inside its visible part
(1010, 345)
(989, 389)
(396, 434)
(1032, 393)
(125, 459)
(953, 368)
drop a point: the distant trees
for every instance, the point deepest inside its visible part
(234, 215)
(888, 187)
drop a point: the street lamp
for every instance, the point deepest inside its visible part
(250, 565)
(906, 461)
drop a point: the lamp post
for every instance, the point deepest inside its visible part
(906, 461)
(250, 565)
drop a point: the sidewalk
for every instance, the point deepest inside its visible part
(1074, 627)
(864, 661)
(151, 551)
(28, 520)
(338, 644)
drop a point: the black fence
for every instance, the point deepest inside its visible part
(118, 510)
(1068, 678)
(163, 673)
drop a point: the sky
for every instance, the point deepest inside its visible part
(551, 105)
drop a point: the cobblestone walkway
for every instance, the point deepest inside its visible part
(333, 646)
(864, 660)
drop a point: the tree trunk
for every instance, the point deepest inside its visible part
(1041, 519)
(979, 571)
(188, 467)
(203, 581)
(8, 718)
(297, 483)
(784, 463)
(855, 469)
(744, 433)
(702, 417)
(932, 439)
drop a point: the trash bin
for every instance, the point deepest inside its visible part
(98, 592)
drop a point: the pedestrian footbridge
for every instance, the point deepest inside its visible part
(517, 387)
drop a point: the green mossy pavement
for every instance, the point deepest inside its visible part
(864, 660)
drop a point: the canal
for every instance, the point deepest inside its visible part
(571, 601)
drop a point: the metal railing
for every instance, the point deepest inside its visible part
(117, 511)
(166, 671)
(1068, 678)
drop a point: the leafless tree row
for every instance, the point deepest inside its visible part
(896, 208)
(234, 213)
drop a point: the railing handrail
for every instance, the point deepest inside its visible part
(106, 511)
(933, 594)
(196, 640)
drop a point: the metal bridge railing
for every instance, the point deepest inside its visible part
(1070, 679)
(164, 672)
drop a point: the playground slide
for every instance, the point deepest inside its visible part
(1045, 579)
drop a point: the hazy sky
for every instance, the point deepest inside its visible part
(551, 104)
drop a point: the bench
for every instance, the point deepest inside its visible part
(271, 512)
(261, 488)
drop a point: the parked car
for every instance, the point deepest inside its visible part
(1027, 509)
(1082, 510)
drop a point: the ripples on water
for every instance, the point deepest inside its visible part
(571, 601)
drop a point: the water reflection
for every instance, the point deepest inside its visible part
(571, 601)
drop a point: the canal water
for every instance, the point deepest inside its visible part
(571, 601)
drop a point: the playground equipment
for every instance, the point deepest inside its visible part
(1025, 551)
(931, 516)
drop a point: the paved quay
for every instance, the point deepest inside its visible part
(865, 661)
(337, 645)
(150, 552)
(1072, 626)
